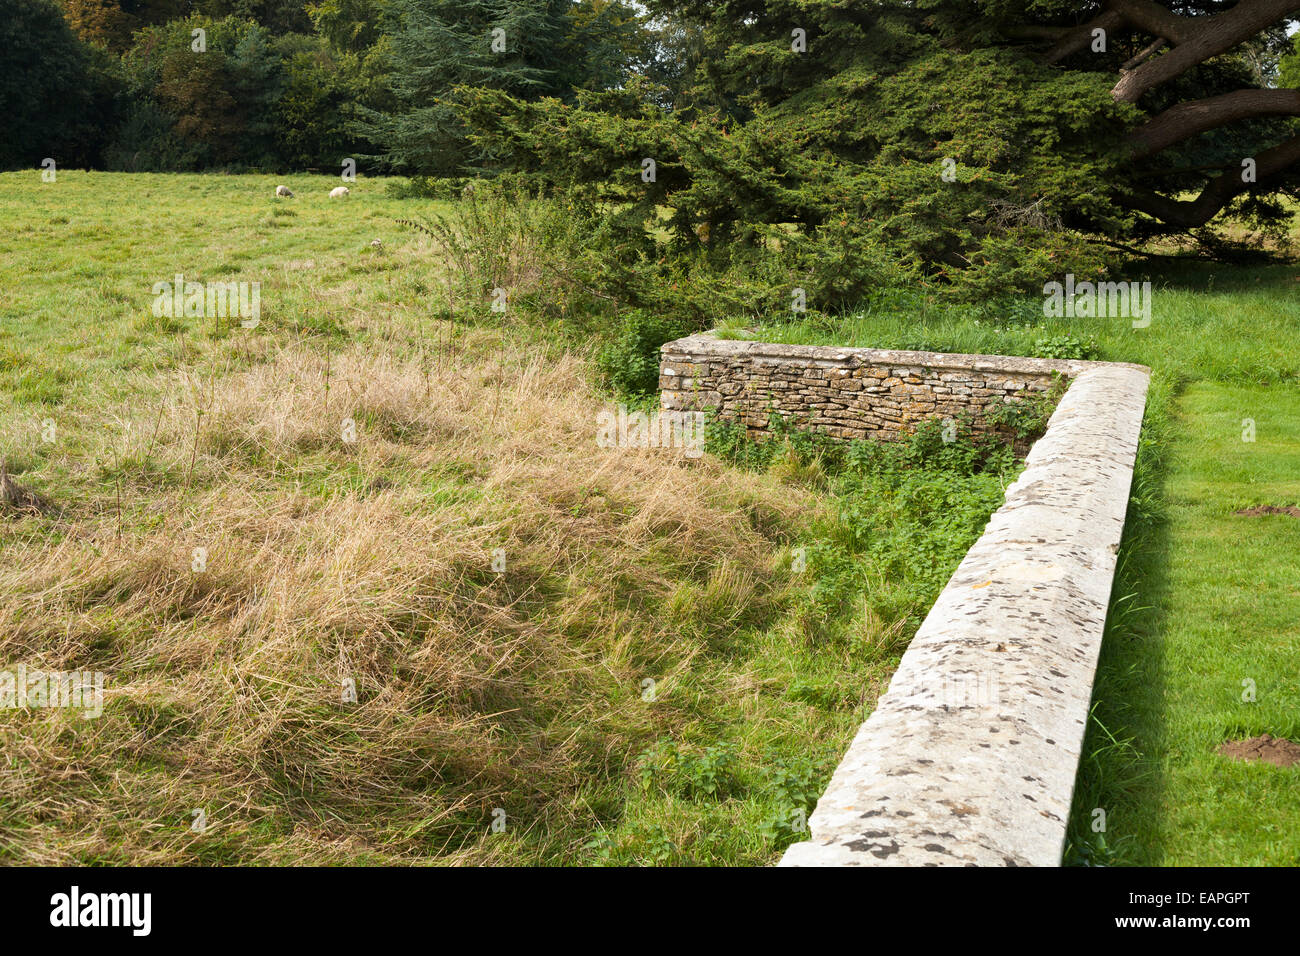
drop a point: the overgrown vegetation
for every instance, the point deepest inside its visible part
(904, 515)
(523, 689)
(823, 148)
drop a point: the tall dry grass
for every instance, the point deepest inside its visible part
(370, 560)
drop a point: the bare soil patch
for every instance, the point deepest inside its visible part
(1269, 510)
(1275, 750)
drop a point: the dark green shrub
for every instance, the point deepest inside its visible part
(630, 362)
(446, 188)
(147, 142)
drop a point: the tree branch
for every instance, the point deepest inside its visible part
(1076, 38)
(1184, 170)
(1145, 15)
(1033, 31)
(1200, 39)
(1186, 120)
(1151, 17)
(1218, 192)
(1145, 55)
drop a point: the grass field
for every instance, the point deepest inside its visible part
(1222, 608)
(644, 677)
(609, 653)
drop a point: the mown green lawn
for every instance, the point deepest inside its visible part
(1224, 660)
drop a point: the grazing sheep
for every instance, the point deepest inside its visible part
(283, 191)
(338, 192)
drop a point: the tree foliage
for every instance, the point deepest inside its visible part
(977, 143)
(983, 142)
(528, 48)
(55, 92)
(249, 99)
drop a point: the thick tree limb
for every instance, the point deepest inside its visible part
(1192, 40)
(1186, 120)
(1145, 55)
(1184, 170)
(1034, 31)
(1200, 39)
(1219, 191)
(1145, 15)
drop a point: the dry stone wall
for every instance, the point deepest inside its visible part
(970, 756)
(847, 392)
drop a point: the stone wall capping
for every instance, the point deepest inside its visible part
(707, 347)
(970, 756)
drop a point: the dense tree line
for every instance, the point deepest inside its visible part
(276, 84)
(985, 143)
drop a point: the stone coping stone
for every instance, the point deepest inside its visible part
(970, 756)
(706, 346)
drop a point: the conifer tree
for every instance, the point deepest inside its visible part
(526, 48)
(997, 141)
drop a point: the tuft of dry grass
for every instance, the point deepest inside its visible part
(234, 560)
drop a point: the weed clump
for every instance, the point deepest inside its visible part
(904, 514)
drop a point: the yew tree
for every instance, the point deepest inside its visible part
(1211, 118)
(986, 141)
(1200, 78)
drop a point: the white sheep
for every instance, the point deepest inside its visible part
(283, 191)
(338, 192)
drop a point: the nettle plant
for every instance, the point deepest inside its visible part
(905, 512)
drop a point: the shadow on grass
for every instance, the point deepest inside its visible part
(1202, 276)
(1114, 818)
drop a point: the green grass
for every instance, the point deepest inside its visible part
(81, 256)
(1230, 325)
(1203, 599)
(522, 690)
(1216, 604)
